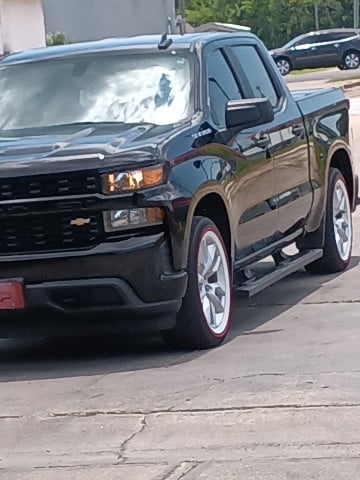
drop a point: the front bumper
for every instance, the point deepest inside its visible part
(119, 284)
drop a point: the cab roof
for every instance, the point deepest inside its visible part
(147, 42)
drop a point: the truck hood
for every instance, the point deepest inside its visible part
(70, 149)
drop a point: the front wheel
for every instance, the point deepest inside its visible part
(338, 228)
(205, 316)
(283, 65)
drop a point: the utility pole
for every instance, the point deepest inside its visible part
(182, 14)
(316, 12)
(356, 13)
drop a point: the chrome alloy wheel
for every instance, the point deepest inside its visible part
(351, 60)
(342, 220)
(283, 66)
(214, 282)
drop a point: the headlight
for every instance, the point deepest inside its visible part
(116, 182)
(125, 219)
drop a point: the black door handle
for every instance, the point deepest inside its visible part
(298, 130)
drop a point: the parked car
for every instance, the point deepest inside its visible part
(325, 48)
(141, 180)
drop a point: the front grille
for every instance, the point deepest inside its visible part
(49, 186)
(49, 233)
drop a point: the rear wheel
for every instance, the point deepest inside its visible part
(338, 228)
(283, 65)
(204, 318)
(351, 59)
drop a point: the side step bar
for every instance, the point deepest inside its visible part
(292, 264)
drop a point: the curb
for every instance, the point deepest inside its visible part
(347, 86)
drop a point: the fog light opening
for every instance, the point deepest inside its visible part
(125, 219)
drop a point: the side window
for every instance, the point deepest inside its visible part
(324, 37)
(259, 78)
(303, 41)
(308, 40)
(343, 35)
(222, 86)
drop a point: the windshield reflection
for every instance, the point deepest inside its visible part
(152, 88)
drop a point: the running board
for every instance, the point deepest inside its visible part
(287, 267)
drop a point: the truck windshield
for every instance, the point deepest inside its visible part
(153, 88)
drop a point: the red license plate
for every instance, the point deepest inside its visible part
(11, 295)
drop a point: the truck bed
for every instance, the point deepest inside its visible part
(320, 99)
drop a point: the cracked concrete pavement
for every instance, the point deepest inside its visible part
(279, 400)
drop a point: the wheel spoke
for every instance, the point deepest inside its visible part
(203, 252)
(342, 232)
(219, 291)
(215, 302)
(206, 308)
(213, 262)
(212, 315)
(341, 200)
(339, 194)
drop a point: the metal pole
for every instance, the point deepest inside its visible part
(182, 13)
(356, 13)
(316, 12)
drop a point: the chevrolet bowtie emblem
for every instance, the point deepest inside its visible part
(79, 222)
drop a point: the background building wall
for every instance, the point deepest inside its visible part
(83, 20)
(21, 25)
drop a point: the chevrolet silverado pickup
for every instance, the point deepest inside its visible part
(142, 180)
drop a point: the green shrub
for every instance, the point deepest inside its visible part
(56, 38)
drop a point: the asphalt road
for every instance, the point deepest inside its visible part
(279, 400)
(331, 74)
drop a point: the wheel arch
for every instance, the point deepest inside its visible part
(212, 205)
(341, 160)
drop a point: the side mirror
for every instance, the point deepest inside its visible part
(248, 113)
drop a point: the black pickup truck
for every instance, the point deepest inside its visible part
(143, 179)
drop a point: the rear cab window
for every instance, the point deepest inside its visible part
(260, 81)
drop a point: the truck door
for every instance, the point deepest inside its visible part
(325, 51)
(307, 52)
(288, 142)
(251, 185)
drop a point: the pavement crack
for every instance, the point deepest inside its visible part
(172, 410)
(180, 470)
(121, 456)
(284, 304)
(11, 417)
(262, 375)
(305, 374)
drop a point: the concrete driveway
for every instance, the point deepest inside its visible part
(279, 400)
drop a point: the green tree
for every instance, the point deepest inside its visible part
(274, 21)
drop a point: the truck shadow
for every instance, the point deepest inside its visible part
(250, 314)
(97, 355)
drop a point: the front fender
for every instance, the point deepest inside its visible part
(192, 180)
